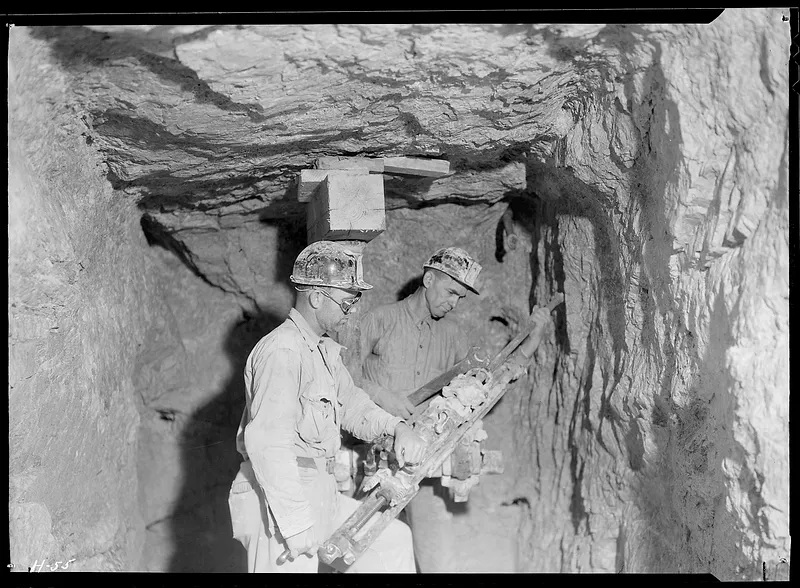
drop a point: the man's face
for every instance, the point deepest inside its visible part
(442, 293)
(337, 305)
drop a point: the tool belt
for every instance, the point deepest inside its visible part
(323, 464)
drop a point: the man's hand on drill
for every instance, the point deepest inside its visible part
(304, 542)
(540, 317)
(408, 446)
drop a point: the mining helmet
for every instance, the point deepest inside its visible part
(457, 264)
(328, 263)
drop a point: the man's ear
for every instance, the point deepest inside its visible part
(314, 299)
(427, 279)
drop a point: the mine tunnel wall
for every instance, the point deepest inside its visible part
(79, 291)
(654, 416)
(651, 435)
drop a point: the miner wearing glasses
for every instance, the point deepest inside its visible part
(298, 396)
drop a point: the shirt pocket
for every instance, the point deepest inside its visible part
(245, 509)
(317, 420)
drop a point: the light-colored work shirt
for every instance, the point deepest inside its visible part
(298, 395)
(403, 347)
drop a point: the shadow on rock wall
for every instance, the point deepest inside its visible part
(201, 527)
(409, 287)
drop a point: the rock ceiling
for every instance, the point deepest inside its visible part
(217, 121)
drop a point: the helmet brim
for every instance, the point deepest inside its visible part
(449, 275)
(361, 286)
(467, 286)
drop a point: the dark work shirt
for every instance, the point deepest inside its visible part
(403, 347)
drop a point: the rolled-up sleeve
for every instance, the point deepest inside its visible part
(270, 434)
(360, 415)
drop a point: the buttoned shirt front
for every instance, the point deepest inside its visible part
(298, 394)
(403, 347)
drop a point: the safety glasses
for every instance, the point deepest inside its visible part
(347, 304)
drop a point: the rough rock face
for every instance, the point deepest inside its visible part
(646, 169)
(77, 294)
(675, 377)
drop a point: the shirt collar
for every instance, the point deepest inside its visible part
(309, 336)
(311, 339)
(417, 309)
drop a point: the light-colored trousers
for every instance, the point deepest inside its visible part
(435, 546)
(253, 527)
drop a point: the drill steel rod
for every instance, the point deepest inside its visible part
(472, 360)
(521, 336)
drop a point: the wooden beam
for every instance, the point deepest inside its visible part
(310, 179)
(374, 165)
(416, 166)
(347, 207)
